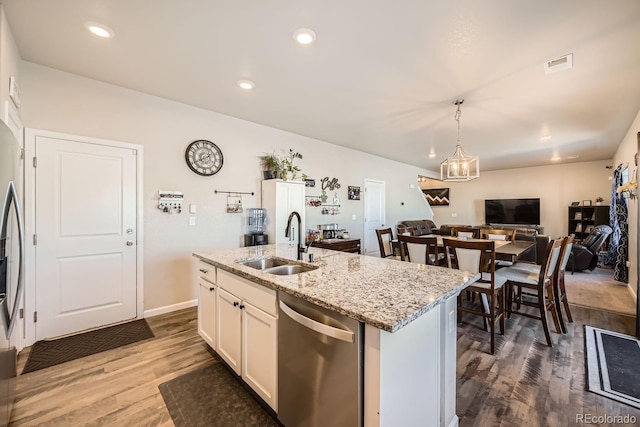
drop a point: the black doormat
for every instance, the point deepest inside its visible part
(53, 352)
(211, 396)
(612, 365)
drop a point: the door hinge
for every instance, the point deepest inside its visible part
(22, 154)
(22, 313)
(35, 240)
(35, 162)
(35, 317)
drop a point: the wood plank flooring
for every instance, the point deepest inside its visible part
(118, 387)
(526, 383)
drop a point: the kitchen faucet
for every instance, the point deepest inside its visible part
(301, 249)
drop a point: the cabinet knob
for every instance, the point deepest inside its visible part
(212, 289)
(204, 271)
(241, 306)
(235, 303)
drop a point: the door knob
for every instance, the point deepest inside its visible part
(129, 230)
(129, 242)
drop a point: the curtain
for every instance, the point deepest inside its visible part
(618, 252)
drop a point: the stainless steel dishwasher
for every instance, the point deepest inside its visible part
(320, 361)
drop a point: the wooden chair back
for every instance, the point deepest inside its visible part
(421, 250)
(475, 256)
(468, 232)
(498, 234)
(385, 236)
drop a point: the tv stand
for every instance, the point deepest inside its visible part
(525, 227)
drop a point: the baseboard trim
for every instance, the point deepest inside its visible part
(170, 308)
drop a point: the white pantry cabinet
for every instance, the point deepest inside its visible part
(207, 302)
(280, 198)
(247, 332)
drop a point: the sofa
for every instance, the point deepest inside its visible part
(420, 227)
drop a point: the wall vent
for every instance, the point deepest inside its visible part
(559, 64)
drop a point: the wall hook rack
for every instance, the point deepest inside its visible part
(234, 200)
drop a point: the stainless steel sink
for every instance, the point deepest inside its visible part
(287, 270)
(264, 263)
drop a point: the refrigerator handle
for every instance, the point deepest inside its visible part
(12, 197)
(337, 333)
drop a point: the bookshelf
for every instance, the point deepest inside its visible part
(582, 219)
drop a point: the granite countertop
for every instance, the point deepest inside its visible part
(384, 293)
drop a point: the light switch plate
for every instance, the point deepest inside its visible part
(192, 208)
(192, 221)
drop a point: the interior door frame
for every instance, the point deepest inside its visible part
(364, 219)
(30, 136)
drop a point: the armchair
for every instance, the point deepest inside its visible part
(585, 256)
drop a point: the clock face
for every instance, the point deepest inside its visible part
(203, 157)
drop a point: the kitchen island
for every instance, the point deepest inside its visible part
(409, 316)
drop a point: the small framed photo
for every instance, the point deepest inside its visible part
(586, 203)
(575, 203)
(354, 193)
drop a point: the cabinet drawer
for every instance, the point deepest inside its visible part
(207, 271)
(253, 293)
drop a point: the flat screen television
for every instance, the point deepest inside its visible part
(512, 211)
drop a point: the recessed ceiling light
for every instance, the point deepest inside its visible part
(246, 84)
(432, 155)
(555, 158)
(99, 30)
(304, 36)
(573, 157)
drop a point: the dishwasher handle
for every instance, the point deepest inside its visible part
(337, 333)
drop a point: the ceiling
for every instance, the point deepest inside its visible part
(381, 76)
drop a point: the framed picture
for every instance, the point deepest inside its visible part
(437, 196)
(354, 193)
(586, 203)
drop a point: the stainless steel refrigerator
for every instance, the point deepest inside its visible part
(11, 264)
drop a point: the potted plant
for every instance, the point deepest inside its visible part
(270, 165)
(288, 170)
(599, 201)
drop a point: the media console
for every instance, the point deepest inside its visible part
(539, 229)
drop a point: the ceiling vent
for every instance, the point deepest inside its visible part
(559, 64)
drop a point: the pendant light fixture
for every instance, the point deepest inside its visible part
(461, 166)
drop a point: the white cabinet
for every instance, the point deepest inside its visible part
(247, 332)
(207, 291)
(280, 198)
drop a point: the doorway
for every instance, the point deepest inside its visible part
(374, 214)
(84, 217)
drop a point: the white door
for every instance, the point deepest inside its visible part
(259, 352)
(229, 324)
(85, 224)
(374, 214)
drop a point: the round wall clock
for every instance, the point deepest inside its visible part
(203, 157)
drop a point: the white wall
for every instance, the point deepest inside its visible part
(9, 63)
(625, 154)
(63, 102)
(556, 186)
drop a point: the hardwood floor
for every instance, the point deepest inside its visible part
(528, 383)
(525, 383)
(117, 387)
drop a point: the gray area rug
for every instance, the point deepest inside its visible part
(211, 396)
(612, 365)
(53, 352)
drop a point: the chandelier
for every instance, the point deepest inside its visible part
(461, 166)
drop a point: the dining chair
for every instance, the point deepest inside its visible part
(479, 257)
(498, 234)
(534, 289)
(421, 250)
(466, 232)
(385, 236)
(559, 290)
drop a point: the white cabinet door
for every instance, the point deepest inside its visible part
(229, 323)
(207, 312)
(259, 360)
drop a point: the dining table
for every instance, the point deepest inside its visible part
(506, 250)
